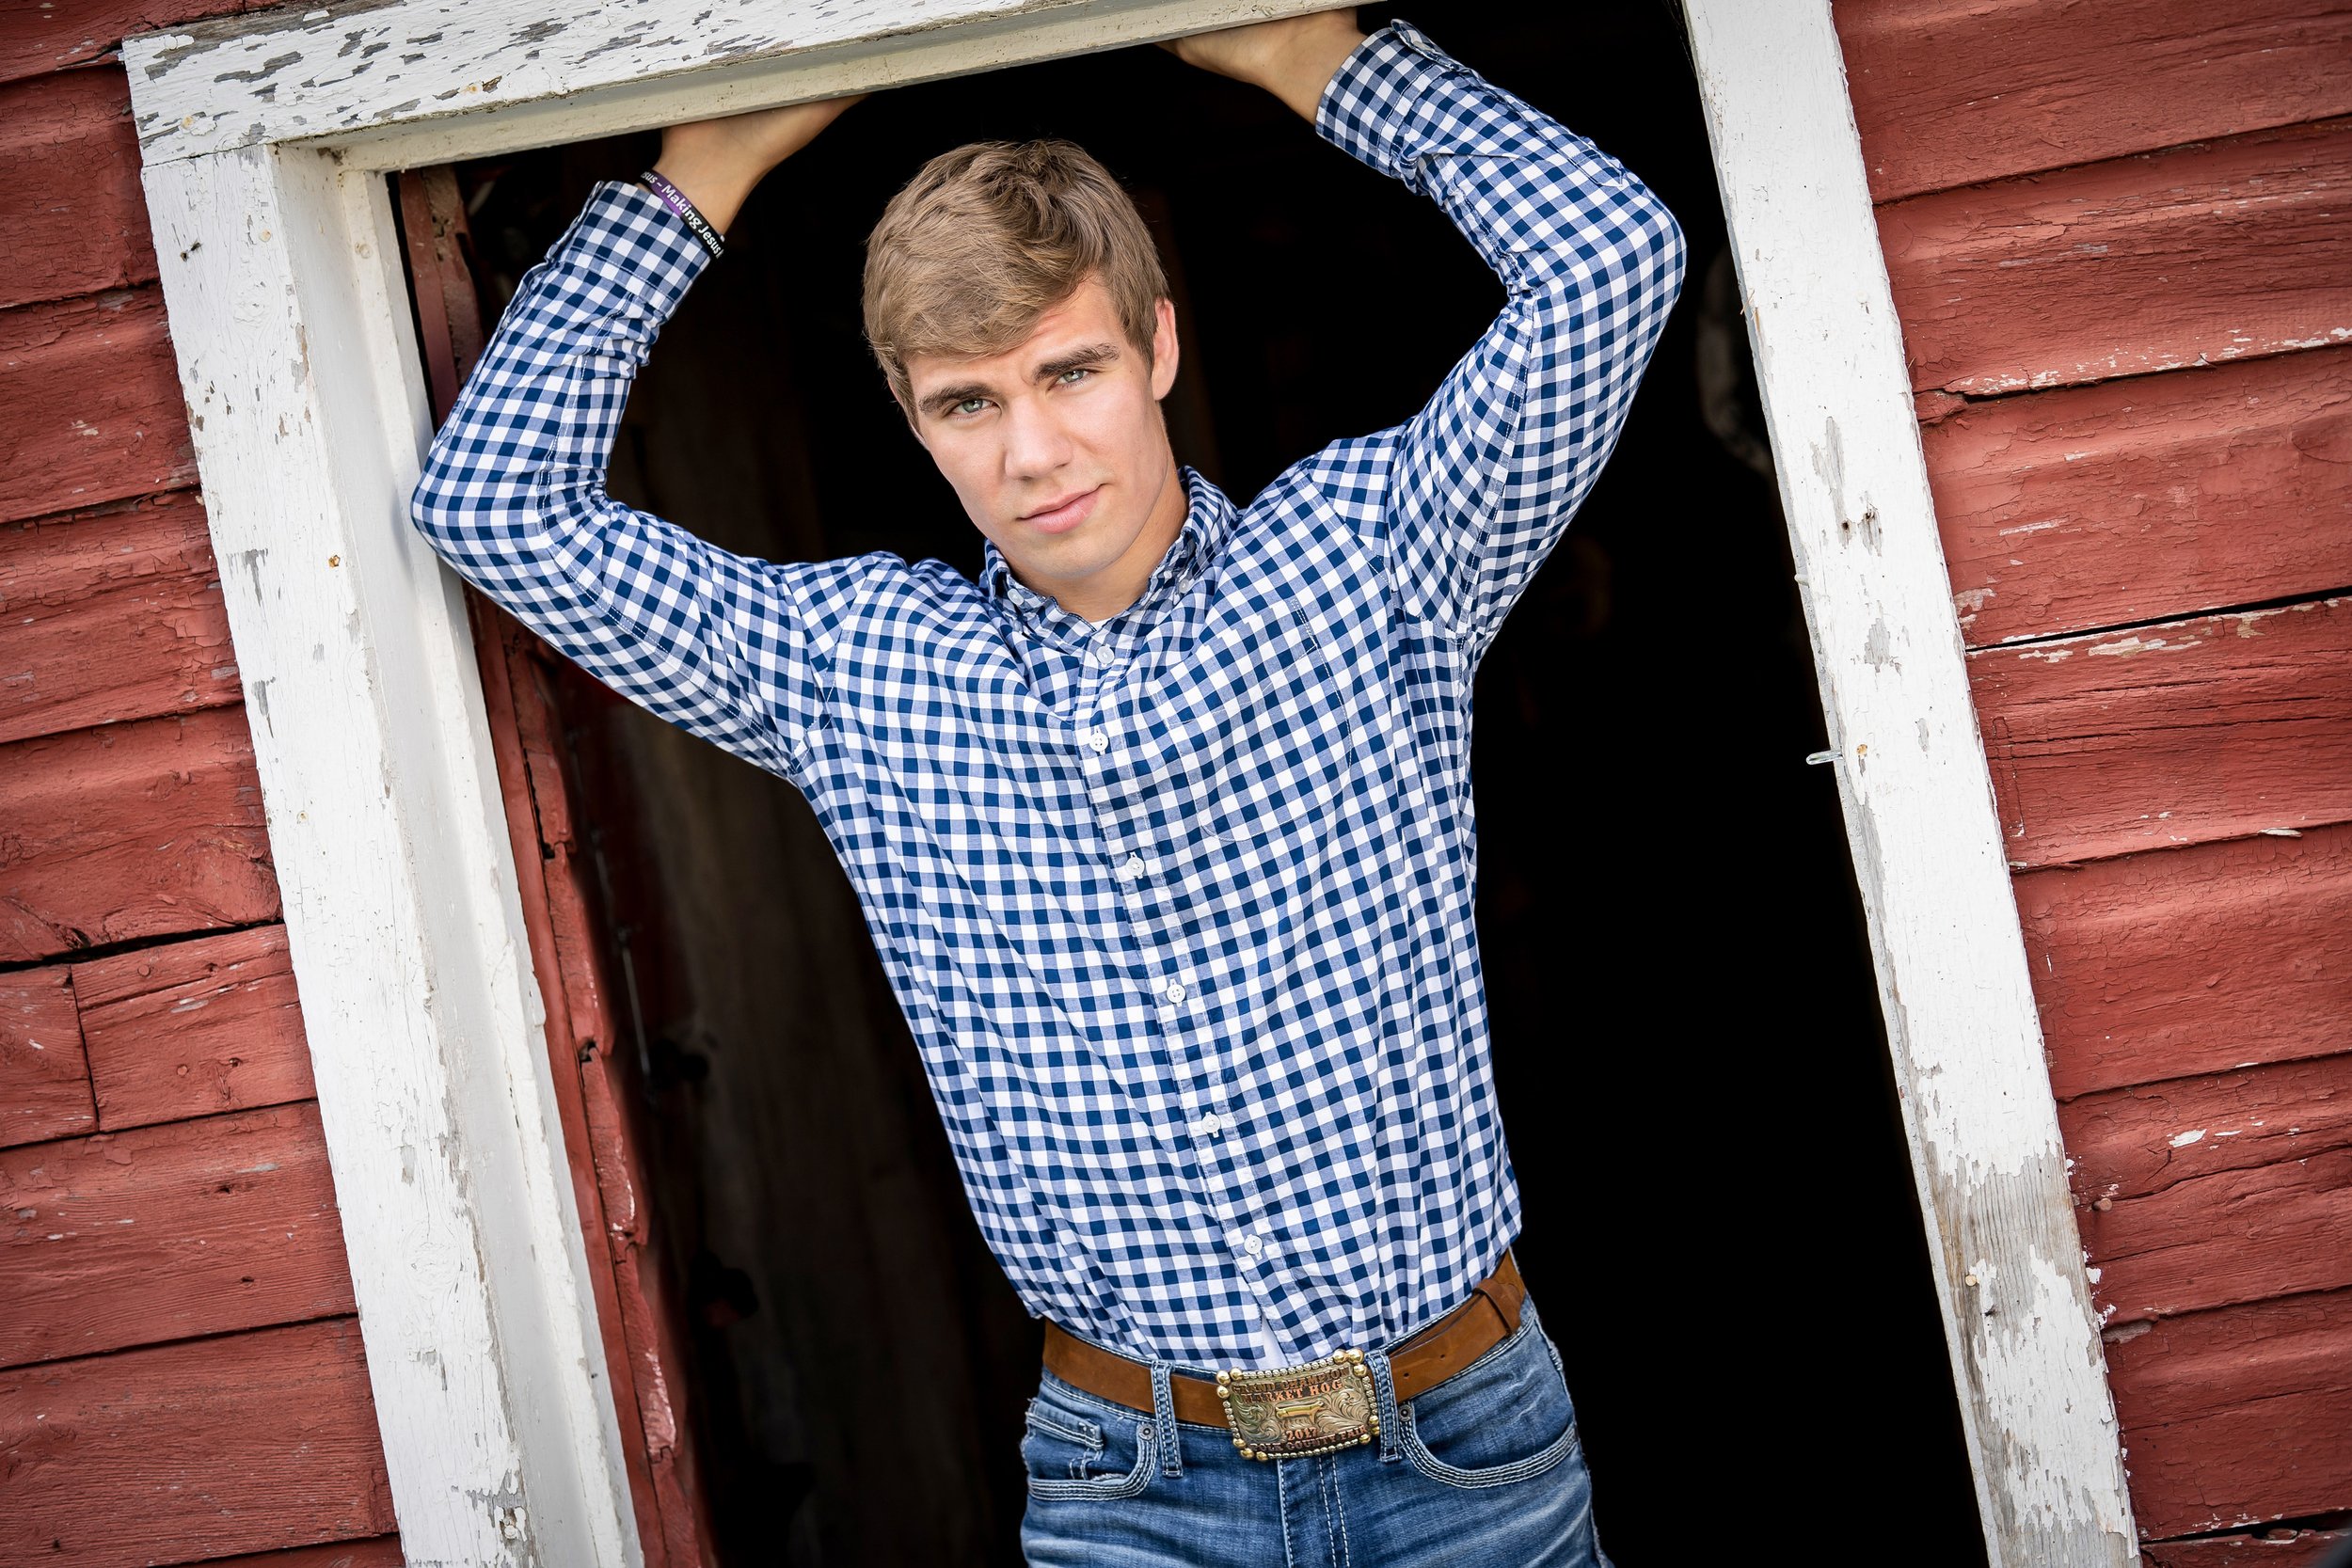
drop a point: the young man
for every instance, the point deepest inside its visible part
(1163, 826)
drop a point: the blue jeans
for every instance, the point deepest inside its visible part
(1484, 1469)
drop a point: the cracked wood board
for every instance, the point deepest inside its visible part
(2269, 921)
(235, 1211)
(69, 159)
(2223, 726)
(193, 1028)
(1956, 94)
(44, 1080)
(111, 615)
(2148, 498)
(2237, 1417)
(89, 410)
(241, 1442)
(574, 69)
(2227, 249)
(85, 814)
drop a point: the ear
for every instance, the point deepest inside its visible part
(1162, 349)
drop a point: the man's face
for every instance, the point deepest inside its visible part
(1057, 451)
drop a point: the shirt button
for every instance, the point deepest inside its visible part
(1252, 1245)
(1099, 739)
(1133, 869)
(1173, 991)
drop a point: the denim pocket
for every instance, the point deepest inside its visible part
(1069, 1453)
(1505, 1417)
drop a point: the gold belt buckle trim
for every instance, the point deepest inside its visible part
(1290, 1412)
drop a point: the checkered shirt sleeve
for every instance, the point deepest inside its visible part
(513, 496)
(1481, 483)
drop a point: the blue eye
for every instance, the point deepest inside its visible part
(971, 406)
(1069, 377)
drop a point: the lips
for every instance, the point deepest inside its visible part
(1063, 515)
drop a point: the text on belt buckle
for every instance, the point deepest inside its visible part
(1290, 1412)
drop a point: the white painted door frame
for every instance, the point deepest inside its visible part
(265, 139)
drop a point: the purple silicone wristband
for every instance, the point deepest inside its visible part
(688, 213)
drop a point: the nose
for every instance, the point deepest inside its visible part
(1036, 445)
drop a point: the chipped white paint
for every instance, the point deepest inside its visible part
(1927, 848)
(415, 81)
(389, 841)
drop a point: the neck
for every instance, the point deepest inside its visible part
(1119, 585)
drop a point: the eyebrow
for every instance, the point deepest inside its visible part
(947, 397)
(1085, 357)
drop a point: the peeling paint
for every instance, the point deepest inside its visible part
(1878, 647)
(263, 72)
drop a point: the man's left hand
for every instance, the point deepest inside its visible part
(1293, 58)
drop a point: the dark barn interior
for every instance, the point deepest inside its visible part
(1721, 1220)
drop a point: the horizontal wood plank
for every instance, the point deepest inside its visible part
(382, 1552)
(131, 831)
(90, 408)
(2236, 1417)
(72, 218)
(2282, 1548)
(42, 38)
(2147, 499)
(192, 1028)
(2220, 1240)
(2225, 250)
(1956, 92)
(2184, 733)
(45, 1073)
(247, 1443)
(2129, 1143)
(2196, 960)
(112, 614)
(166, 1232)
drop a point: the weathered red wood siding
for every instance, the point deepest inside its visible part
(181, 1372)
(2117, 238)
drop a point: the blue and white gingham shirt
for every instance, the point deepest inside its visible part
(1178, 904)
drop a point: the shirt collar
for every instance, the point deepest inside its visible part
(1208, 519)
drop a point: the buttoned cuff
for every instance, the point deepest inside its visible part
(630, 239)
(1399, 100)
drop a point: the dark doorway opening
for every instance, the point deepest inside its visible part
(1721, 1220)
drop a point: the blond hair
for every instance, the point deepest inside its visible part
(986, 239)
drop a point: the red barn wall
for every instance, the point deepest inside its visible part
(180, 1375)
(2119, 236)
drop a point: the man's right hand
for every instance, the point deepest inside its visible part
(717, 162)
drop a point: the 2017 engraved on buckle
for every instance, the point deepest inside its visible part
(1290, 1412)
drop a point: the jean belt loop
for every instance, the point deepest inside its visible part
(1384, 1396)
(1164, 1422)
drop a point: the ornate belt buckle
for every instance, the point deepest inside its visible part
(1290, 1412)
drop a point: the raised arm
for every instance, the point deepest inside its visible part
(1486, 476)
(513, 493)
(1480, 485)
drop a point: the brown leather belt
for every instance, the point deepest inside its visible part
(1419, 1364)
